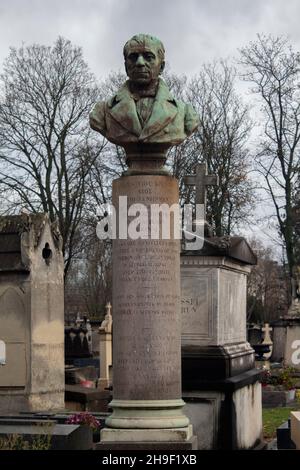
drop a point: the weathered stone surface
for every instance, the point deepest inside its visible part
(220, 385)
(226, 415)
(213, 296)
(32, 316)
(175, 446)
(153, 435)
(146, 306)
(146, 302)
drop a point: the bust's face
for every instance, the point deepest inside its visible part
(143, 64)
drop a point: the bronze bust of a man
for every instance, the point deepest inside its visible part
(143, 116)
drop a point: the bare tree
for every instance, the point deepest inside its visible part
(273, 68)
(46, 148)
(296, 223)
(220, 141)
(268, 293)
(89, 281)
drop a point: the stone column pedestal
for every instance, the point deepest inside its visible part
(220, 383)
(147, 404)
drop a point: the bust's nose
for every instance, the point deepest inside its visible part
(140, 60)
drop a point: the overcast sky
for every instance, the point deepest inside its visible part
(193, 31)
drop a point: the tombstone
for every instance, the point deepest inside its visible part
(76, 343)
(105, 349)
(89, 334)
(31, 314)
(286, 330)
(221, 388)
(201, 180)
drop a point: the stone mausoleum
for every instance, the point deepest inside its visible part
(221, 386)
(31, 314)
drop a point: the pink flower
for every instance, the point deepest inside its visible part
(84, 417)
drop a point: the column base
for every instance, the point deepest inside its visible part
(148, 439)
(147, 435)
(148, 446)
(147, 414)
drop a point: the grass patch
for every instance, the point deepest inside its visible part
(273, 418)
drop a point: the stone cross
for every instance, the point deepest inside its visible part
(201, 180)
(105, 349)
(107, 322)
(267, 330)
(108, 308)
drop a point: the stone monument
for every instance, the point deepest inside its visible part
(31, 314)
(220, 384)
(105, 350)
(146, 120)
(286, 330)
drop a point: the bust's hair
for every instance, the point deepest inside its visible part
(142, 39)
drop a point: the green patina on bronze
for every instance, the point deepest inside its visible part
(143, 116)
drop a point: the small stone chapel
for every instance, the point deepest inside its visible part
(31, 314)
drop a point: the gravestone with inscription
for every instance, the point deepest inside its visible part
(146, 120)
(31, 314)
(220, 385)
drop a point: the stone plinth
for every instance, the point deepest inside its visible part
(227, 414)
(213, 296)
(220, 384)
(31, 314)
(147, 323)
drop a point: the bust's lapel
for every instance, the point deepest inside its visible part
(164, 111)
(122, 108)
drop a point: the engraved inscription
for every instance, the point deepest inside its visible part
(146, 305)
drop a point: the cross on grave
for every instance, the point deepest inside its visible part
(201, 180)
(108, 308)
(267, 330)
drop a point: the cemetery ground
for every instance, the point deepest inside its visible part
(272, 419)
(275, 417)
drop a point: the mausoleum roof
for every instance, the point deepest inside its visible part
(11, 229)
(236, 248)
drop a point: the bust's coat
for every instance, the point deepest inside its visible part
(171, 120)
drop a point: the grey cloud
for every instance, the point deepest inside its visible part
(193, 31)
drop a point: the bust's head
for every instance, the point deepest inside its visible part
(144, 59)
